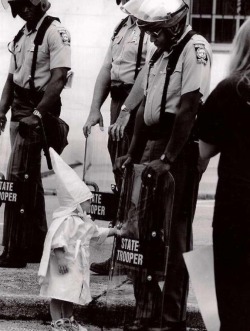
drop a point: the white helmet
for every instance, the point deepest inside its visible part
(45, 4)
(166, 13)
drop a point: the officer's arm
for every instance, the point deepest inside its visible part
(137, 145)
(183, 124)
(7, 94)
(137, 93)
(53, 89)
(6, 100)
(134, 98)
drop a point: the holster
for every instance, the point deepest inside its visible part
(120, 90)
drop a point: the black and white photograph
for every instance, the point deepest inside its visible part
(125, 165)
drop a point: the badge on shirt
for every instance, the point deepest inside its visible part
(65, 36)
(201, 54)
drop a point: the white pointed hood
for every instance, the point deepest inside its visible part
(71, 190)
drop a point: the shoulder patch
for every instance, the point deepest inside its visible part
(64, 36)
(201, 53)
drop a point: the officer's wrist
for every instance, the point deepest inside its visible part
(165, 159)
(125, 109)
(37, 113)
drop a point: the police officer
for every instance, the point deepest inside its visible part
(30, 98)
(125, 57)
(177, 78)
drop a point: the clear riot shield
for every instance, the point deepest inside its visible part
(22, 195)
(140, 254)
(98, 173)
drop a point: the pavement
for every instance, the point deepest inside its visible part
(19, 289)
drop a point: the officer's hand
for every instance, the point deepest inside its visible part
(121, 163)
(153, 169)
(116, 130)
(3, 120)
(31, 121)
(93, 119)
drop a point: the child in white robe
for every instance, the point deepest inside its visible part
(64, 269)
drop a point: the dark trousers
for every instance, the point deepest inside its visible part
(25, 223)
(231, 239)
(120, 148)
(174, 298)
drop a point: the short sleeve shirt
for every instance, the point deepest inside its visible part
(224, 122)
(192, 73)
(54, 53)
(122, 53)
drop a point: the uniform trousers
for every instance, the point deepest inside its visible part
(25, 223)
(173, 300)
(120, 148)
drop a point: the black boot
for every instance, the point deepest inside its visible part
(13, 259)
(101, 268)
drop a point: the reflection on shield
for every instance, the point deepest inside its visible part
(140, 254)
(98, 175)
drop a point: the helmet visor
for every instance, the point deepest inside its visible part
(169, 12)
(5, 3)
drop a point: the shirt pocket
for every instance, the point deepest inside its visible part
(17, 52)
(116, 46)
(42, 54)
(174, 85)
(131, 47)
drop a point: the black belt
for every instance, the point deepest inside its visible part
(28, 95)
(163, 129)
(120, 90)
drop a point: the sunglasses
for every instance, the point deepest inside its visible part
(154, 33)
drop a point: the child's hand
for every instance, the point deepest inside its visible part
(62, 265)
(62, 262)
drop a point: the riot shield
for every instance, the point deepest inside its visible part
(140, 254)
(98, 173)
(21, 191)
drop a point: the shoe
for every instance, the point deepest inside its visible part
(12, 262)
(136, 326)
(101, 268)
(4, 254)
(63, 324)
(75, 326)
(170, 326)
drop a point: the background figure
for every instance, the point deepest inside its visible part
(224, 128)
(64, 269)
(25, 223)
(125, 57)
(177, 78)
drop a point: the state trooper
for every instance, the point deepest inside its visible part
(32, 89)
(174, 83)
(124, 59)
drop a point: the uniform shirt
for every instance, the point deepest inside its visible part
(122, 53)
(192, 72)
(54, 53)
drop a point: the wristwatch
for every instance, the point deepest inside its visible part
(165, 159)
(125, 109)
(37, 113)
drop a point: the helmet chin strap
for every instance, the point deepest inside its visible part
(174, 33)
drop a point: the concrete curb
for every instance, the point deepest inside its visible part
(19, 299)
(32, 307)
